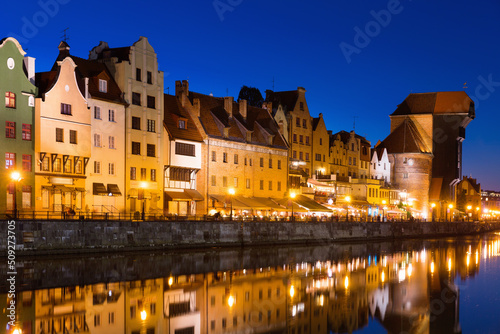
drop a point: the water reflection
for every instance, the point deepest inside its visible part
(411, 291)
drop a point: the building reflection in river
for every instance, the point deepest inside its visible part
(412, 292)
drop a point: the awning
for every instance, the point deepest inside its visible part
(134, 193)
(310, 204)
(62, 188)
(195, 195)
(113, 189)
(82, 190)
(226, 199)
(177, 196)
(99, 189)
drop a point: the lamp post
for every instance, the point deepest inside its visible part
(477, 213)
(450, 207)
(16, 177)
(469, 207)
(292, 196)
(383, 209)
(144, 185)
(231, 193)
(348, 200)
(433, 205)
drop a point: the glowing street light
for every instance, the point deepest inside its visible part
(230, 300)
(347, 200)
(16, 177)
(450, 207)
(384, 202)
(292, 291)
(292, 196)
(469, 207)
(433, 206)
(144, 315)
(231, 193)
(143, 186)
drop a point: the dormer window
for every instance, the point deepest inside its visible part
(182, 124)
(103, 86)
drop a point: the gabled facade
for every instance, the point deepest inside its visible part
(380, 166)
(182, 155)
(243, 150)
(469, 194)
(62, 138)
(321, 147)
(17, 117)
(135, 70)
(299, 130)
(350, 155)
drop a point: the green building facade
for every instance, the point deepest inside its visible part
(17, 78)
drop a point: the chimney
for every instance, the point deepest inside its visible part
(301, 90)
(228, 105)
(63, 50)
(196, 107)
(185, 86)
(243, 109)
(178, 88)
(29, 64)
(268, 105)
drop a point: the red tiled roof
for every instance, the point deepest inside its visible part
(45, 80)
(436, 103)
(405, 139)
(173, 112)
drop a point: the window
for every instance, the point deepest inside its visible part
(136, 123)
(149, 77)
(250, 161)
(97, 140)
(59, 135)
(151, 150)
(294, 155)
(318, 157)
(133, 174)
(248, 183)
(65, 109)
(261, 185)
(235, 321)
(405, 175)
(236, 182)
(132, 312)
(224, 323)
(56, 165)
(138, 74)
(26, 163)
(279, 164)
(224, 157)
(297, 122)
(31, 101)
(350, 160)
(72, 136)
(188, 149)
(136, 148)
(10, 129)
(301, 139)
(152, 308)
(68, 166)
(307, 140)
(321, 141)
(136, 99)
(111, 317)
(236, 159)
(261, 162)
(214, 156)
(301, 155)
(304, 123)
(26, 131)
(97, 167)
(270, 185)
(294, 137)
(45, 164)
(279, 185)
(111, 115)
(277, 313)
(151, 125)
(301, 105)
(111, 168)
(352, 146)
(214, 182)
(224, 181)
(153, 175)
(103, 86)
(111, 143)
(182, 124)
(26, 204)
(143, 174)
(151, 102)
(10, 100)
(212, 325)
(97, 320)
(97, 112)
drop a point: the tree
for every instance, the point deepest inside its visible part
(252, 95)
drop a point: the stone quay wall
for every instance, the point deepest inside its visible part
(77, 236)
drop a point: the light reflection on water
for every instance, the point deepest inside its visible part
(413, 290)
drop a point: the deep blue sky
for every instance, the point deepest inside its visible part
(427, 46)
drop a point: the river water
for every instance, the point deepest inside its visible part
(414, 286)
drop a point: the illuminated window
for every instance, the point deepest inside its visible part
(26, 162)
(10, 160)
(10, 130)
(133, 173)
(103, 86)
(79, 167)
(153, 175)
(56, 165)
(68, 167)
(45, 164)
(26, 131)
(26, 197)
(182, 124)
(151, 125)
(143, 174)
(65, 109)
(10, 100)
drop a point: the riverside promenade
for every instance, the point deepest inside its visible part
(85, 236)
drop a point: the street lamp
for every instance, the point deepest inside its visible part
(383, 209)
(231, 193)
(450, 206)
(292, 196)
(469, 207)
(144, 185)
(348, 200)
(477, 213)
(16, 177)
(433, 205)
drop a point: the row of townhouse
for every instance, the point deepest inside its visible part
(100, 135)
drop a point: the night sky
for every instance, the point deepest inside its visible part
(404, 46)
